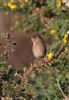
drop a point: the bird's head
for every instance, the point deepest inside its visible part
(35, 38)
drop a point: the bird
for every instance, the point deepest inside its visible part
(38, 46)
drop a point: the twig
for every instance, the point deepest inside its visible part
(56, 55)
(41, 65)
(16, 74)
(34, 67)
(58, 84)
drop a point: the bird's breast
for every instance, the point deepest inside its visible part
(38, 50)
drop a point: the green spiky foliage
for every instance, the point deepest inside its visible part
(43, 15)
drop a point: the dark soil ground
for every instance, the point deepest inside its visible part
(15, 46)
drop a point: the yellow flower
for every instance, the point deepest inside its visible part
(65, 39)
(59, 3)
(50, 56)
(66, 36)
(12, 6)
(53, 31)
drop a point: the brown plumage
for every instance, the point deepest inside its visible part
(38, 46)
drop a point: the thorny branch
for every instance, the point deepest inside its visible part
(46, 63)
(33, 68)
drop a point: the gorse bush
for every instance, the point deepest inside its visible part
(47, 78)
